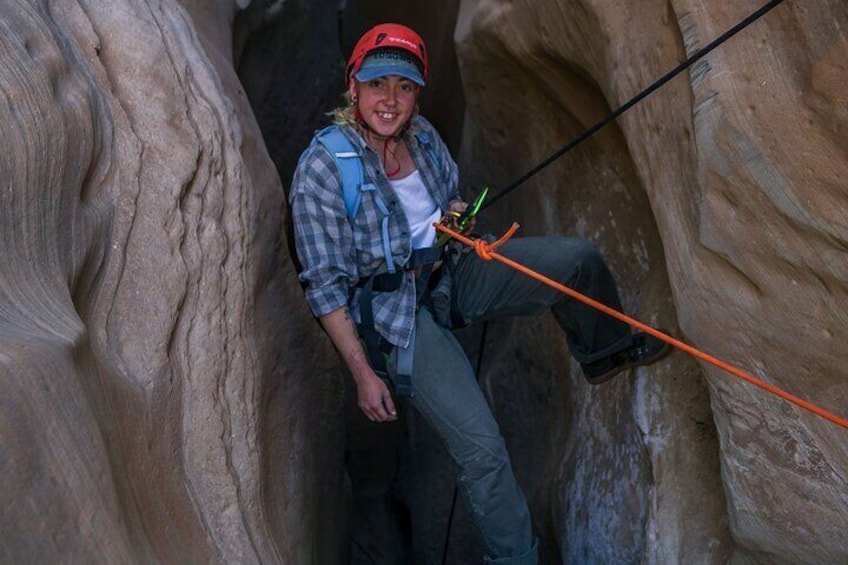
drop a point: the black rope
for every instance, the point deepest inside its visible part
(636, 99)
(340, 24)
(580, 139)
(455, 489)
(450, 526)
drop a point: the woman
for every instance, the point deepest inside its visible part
(362, 279)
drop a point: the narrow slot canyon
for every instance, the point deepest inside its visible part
(168, 396)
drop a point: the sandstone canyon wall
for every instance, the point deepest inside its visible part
(732, 180)
(168, 398)
(154, 339)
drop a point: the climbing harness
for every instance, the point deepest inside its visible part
(421, 261)
(486, 251)
(378, 349)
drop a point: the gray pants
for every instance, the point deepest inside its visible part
(446, 392)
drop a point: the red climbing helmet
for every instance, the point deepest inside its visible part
(394, 36)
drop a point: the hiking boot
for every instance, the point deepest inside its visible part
(646, 349)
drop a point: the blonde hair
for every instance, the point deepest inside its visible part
(346, 115)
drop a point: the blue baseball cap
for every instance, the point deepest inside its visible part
(385, 62)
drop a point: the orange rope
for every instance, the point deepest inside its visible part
(487, 252)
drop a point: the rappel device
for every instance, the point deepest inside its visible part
(459, 221)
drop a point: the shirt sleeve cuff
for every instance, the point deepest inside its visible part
(322, 301)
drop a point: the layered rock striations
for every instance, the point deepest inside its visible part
(167, 397)
(153, 336)
(731, 180)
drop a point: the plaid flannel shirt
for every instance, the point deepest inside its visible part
(336, 253)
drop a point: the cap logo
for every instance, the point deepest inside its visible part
(380, 38)
(406, 42)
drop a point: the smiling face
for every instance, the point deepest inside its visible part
(386, 103)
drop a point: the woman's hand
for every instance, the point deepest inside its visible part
(373, 395)
(374, 398)
(460, 207)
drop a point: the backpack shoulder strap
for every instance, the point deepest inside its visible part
(424, 139)
(353, 182)
(349, 164)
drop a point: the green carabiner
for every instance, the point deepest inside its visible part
(471, 211)
(460, 221)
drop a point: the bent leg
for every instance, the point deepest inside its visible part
(485, 290)
(448, 397)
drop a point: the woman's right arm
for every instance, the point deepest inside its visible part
(373, 396)
(324, 242)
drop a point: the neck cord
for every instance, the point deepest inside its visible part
(366, 131)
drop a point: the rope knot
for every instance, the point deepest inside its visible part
(484, 249)
(481, 246)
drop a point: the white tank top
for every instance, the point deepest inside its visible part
(420, 208)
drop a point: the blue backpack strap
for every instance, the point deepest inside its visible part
(424, 139)
(349, 164)
(353, 182)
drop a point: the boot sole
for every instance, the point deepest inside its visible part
(658, 356)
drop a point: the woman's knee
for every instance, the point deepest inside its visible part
(574, 254)
(581, 250)
(483, 449)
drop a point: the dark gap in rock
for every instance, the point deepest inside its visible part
(563, 437)
(291, 61)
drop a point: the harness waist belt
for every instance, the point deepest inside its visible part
(421, 260)
(390, 282)
(384, 282)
